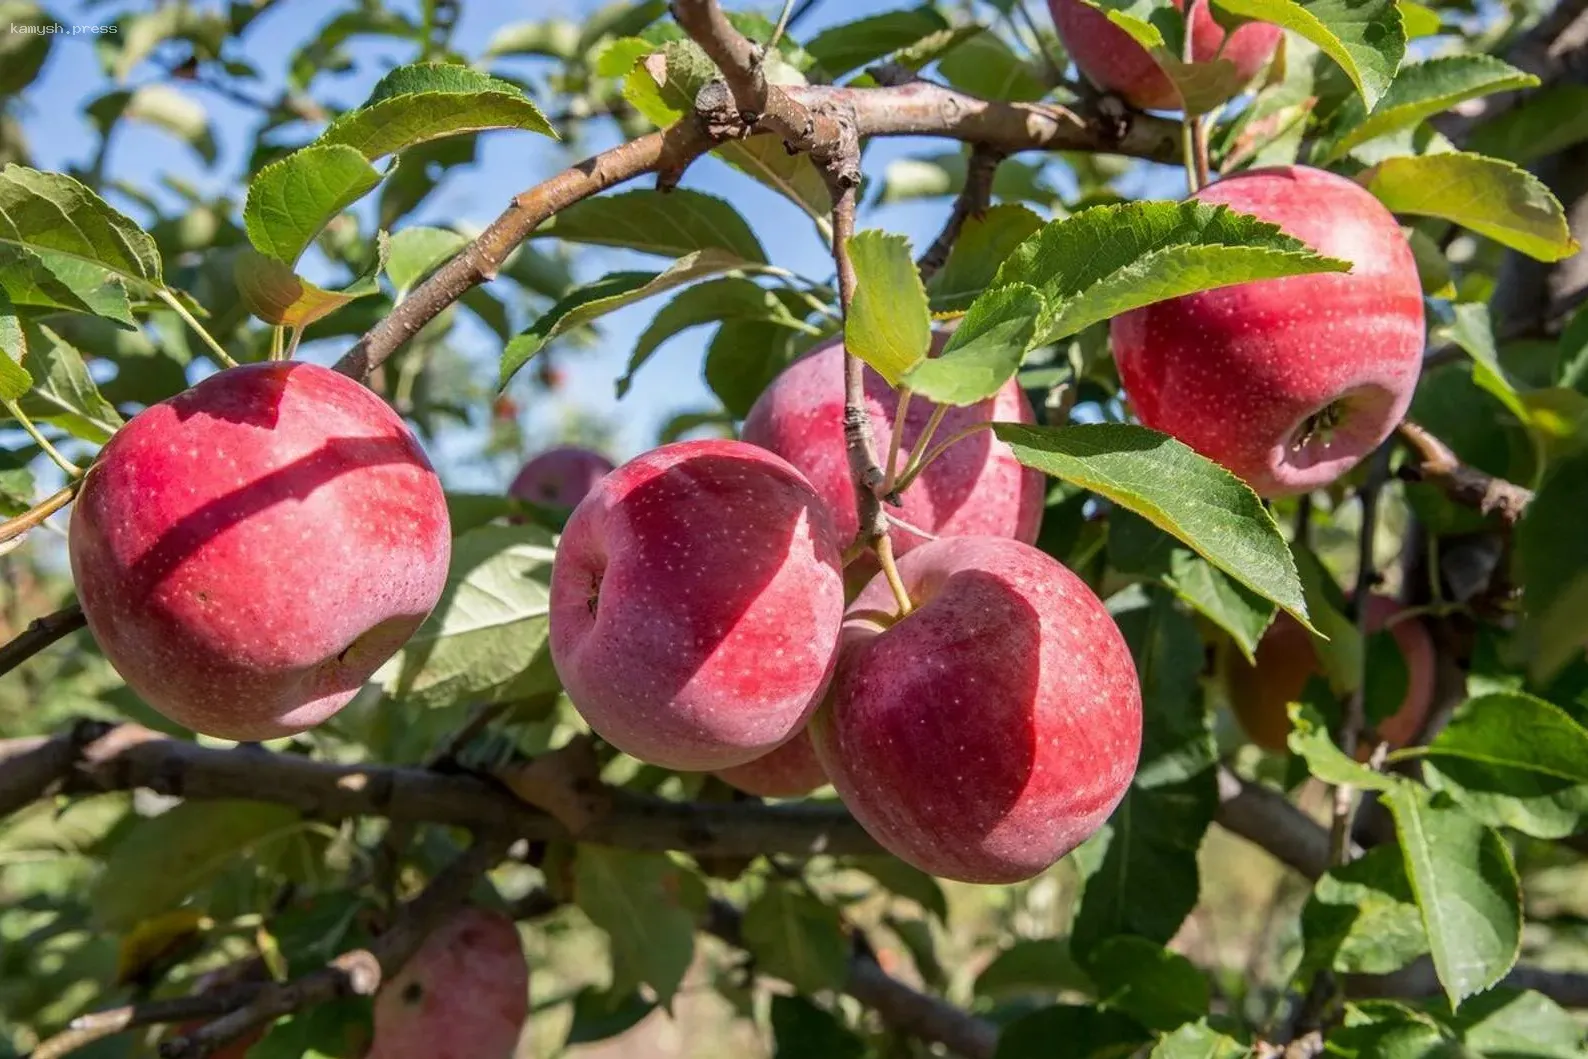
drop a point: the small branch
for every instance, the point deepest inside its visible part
(1264, 818)
(223, 358)
(1438, 465)
(71, 469)
(973, 200)
(356, 973)
(86, 1029)
(40, 633)
(34, 517)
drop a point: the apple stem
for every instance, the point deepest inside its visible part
(893, 442)
(292, 346)
(35, 515)
(71, 469)
(890, 570)
(913, 472)
(276, 334)
(221, 356)
(1193, 132)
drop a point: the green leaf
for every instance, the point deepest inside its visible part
(163, 107)
(669, 223)
(1471, 329)
(554, 38)
(1110, 259)
(1160, 30)
(1310, 738)
(1490, 196)
(888, 324)
(1365, 38)
(273, 292)
(1511, 1023)
(1087, 1032)
(729, 298)
(291, 200)
(1419, 21)
(1420, 91)
(984, 352)
(17, 488)
(1160, 989)
(1466, 887)
(607, 294)
(51, 211)
(63, 392)
(161, 861)
(796, 937)
(850, 45)
(1553, 569)
(984, 66)
(801, 1030)
(340, 1029)
(1198, 1040)
(647, 905)
(1362, 918)
(1175, 489)
(1032, 966)
(984, 242)
(22, 53)
(743, 358)
(598, 1014)
(50, 280)
(1543, 123)
(14, 379)
(486, 639)
(418, 251)
(429, 101)
(904, 880)
(1136, 546)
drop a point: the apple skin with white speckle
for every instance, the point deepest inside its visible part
(1113, 61)
(1287, 382)
(696, 600)
(992, 729)
(559, 477)
(250, 551)
(790, 771)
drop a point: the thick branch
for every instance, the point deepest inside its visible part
(30, 768)
(40, 633)
(129, 757)
(972, 200)
(357, 973)
(1465, 485)
(1264, 818)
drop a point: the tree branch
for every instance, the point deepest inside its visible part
(40, 633)
(1438, 465)
(1266, 819)
(356, 973)
(86, 1029)
(973, 200)
(1566, 988)
(31, 767)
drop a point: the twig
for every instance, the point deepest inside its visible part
(972, 200)
(86, 1029)
(1264, 818)
(1438, 465)
(40, 633)
(34, 516)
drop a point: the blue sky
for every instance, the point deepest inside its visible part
(508, 163)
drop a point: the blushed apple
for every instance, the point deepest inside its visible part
(1286, 659)
(559, 477)
(790, 771)
(995, 727)
(695, 604)
(1286, 382)
(975, 488)
(248, 552)
(463, 995)
(1113, 61)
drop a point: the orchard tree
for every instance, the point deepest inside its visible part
(1122, 624)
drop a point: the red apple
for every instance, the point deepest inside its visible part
(695, 604)
(994, 728)
(790, 771)
(463, 995)
(248, 552)
(1113, 61)
(1286, 660)
(559, 477)
(1286, 382)
(975, 488)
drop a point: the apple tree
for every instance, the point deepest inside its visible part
(1110, 578)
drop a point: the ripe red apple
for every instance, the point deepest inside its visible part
(248, 552)
(463, 995)
(559, 477)
(695, 604)
(994, 728)
(790, 771)
(1286, 382)
(1286, 660)
(1113, 61)
(975, 488)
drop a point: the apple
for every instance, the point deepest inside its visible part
(974, 488)
(248, 552)
(463, 995)
(559, 477)
(696, 600)
(1286, 659)
(1286, 382)
(992, 729)
(1113, 61)
(790, 771)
